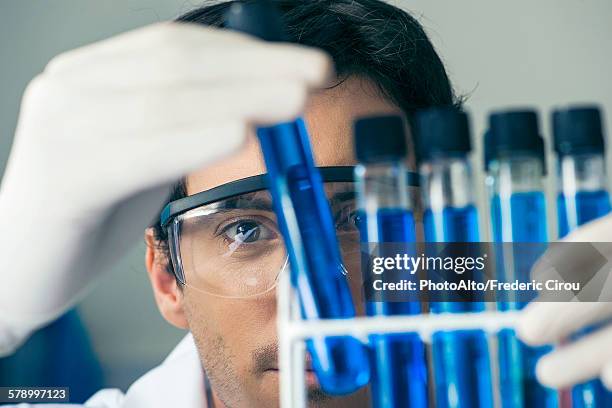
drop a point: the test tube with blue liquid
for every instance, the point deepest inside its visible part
(582, 197)
(515, 164)
(461, 362)
(386, 220)
(305, 220)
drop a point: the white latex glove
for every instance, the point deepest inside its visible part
(542, 323)
(104, 131)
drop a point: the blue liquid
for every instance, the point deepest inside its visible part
(398, 361)
(458, 225)
(588, 205)
(522, 218)
(462, 367)
(340, 362)
(527, 221)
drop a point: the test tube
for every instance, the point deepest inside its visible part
(398, 362)
(582, 184)
(514, 160)
(582, 197)
(462, 369)
(305, 220)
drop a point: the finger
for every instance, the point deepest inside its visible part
(261, 103)
(157, 163)
(584, 265)
(155, 112)
(599, 230)
(211, 59)
(143, 39)
(192, 149)
(576, 362)
(177, 67)
(549, 322)
(545, 270)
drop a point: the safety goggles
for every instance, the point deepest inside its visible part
(226, 242)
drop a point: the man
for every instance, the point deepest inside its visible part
(384, 63)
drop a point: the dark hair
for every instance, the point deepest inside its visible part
(369, 38)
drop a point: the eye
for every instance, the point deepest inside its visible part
(357, 219)
(248, 231)
(348, 219)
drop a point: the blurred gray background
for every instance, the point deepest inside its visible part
(500, 54)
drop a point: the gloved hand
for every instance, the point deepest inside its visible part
(588, 356)
(104, 131)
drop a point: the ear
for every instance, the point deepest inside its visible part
(168, 295)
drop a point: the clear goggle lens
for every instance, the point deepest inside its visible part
(234, 247)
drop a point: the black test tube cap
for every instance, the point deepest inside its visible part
(513, 133)
(442, 132)
(577, 130)
(259, 18)
(380, 139)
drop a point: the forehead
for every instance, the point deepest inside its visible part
(329, 116)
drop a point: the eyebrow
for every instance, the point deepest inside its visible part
(265, 204)
(239, 203)
(342, 196)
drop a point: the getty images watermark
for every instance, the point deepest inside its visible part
(458, 272)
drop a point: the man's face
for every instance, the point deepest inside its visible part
(237, 338)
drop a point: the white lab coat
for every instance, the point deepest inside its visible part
(177, 382)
